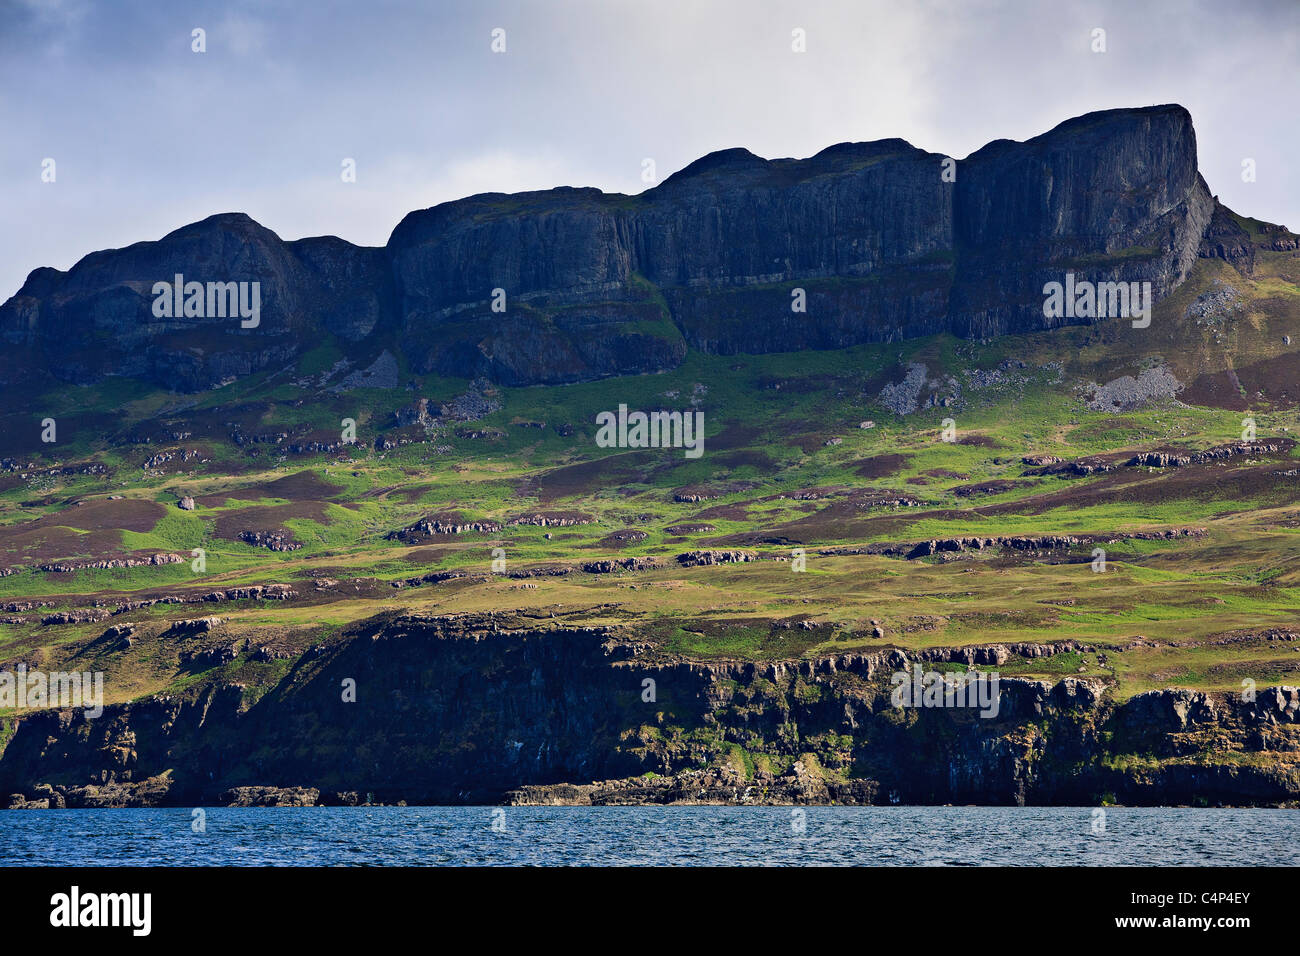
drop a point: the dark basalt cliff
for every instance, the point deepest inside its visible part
(603, 284)
(468, 709)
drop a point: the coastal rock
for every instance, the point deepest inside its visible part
(562, 720)
(270, 797)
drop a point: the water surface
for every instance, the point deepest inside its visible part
(675, 836)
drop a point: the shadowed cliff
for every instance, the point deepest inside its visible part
(883, 243)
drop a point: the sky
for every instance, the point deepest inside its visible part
(147, 135)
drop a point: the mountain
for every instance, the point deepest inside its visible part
(374, 548)
(884, 244)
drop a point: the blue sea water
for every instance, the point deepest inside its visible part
(676, 836)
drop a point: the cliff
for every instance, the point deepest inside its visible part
(885, 246)
(477, 709)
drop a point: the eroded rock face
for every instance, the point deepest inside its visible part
(611, 565)
(721, 785)
(98, 319)
(568, 307)
(439, 525)
(690, 559)
(79, 616)
(564, 707)
(1225, 239)
(270, 797)
(1112, 196)
(575, 284)
(1169, 459)
(200, 625)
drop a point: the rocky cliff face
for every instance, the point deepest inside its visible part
(462, 709)
(884, 245)
(98, 318)
(1113, 196)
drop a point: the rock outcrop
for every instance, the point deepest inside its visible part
(691, 559)
(575, 284)
(438, 525)
(1176, 459)
(98, 317)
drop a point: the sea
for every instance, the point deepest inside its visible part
(652, 836)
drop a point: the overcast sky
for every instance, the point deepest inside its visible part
(148, 135)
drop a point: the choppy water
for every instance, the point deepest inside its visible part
(679, 836)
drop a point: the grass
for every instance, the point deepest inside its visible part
(1160, 613)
